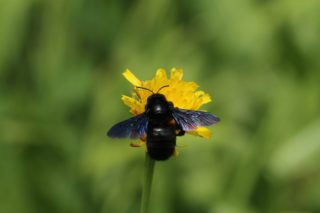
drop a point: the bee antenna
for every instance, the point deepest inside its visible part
(145, 89)
(162, 88)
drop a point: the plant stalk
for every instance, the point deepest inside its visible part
(147, 183)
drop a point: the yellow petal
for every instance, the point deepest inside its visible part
(161, 74)
(136, 106)
(131, 78)
(176, 74)
(199, 93)
(160, 79)
(131, 102)
(201, 132)
(205, 99)
(137, 144)
(202, 98)
(190, 86)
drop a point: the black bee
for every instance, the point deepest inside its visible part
(160, 124)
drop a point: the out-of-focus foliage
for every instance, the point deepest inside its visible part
(60, 87)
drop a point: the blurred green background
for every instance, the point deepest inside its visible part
(60, 71)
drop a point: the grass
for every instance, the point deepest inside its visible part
(60, 89)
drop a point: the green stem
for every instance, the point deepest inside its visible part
(147, 183)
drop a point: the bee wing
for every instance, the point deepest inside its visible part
(190, 119)
(133, 128)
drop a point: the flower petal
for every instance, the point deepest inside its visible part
(138, 144)
(161, 74)
(131, 78)
(183, 94)
(176, 74)
(190, 86)
(160, 80)
(136, 107)
(199, 93)
(205, 99)
(201, 132)
(131, 102)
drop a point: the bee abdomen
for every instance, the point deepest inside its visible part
(161, 142)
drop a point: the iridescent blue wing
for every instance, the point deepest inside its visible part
(190, 119)
(134, 128)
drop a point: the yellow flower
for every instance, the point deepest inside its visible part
(182, 94)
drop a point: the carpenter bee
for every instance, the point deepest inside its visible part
(160, 124)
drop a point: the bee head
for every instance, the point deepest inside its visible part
(157, 104)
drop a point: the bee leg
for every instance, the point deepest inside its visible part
(180, 132)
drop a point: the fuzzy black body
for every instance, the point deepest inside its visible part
(161, 130)
(160, 124)
(161, 141)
